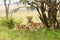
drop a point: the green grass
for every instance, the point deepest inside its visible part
(10, 34)
(42, 34)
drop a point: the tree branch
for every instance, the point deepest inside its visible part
(5, 3)
(9, 3)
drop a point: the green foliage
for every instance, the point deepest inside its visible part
(3, 22)
(8, 34)
(9, 22)
(40, 35)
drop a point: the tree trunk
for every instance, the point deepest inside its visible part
(52, 14)
(7, 13)
(44, 17)
(52, 26)
(7, 7)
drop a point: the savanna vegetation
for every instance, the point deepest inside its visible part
(40, 22)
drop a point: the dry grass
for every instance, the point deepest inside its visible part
(22, 13)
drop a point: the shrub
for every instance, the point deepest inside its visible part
(3, 22)
(9, 23)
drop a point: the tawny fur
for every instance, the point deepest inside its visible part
(30, 25)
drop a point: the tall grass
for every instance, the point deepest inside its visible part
(41, 34)
(10, 34)
(8, 23)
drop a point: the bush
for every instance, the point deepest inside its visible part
(9, 23)
(3, 22)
